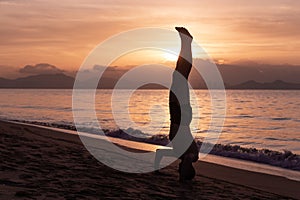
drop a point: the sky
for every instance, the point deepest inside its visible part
(62, 33)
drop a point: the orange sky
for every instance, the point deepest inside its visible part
(63, 32)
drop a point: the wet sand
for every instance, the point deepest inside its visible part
(39, 163)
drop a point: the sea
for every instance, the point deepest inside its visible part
(260, 125)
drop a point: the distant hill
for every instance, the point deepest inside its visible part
(43, 81)
(276, 85)
(62, 81)
(5, 83)
(153, 86)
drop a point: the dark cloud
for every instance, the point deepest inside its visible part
(232, 73)
(9, 72)
(99, 67)
(41, 68)
(112, 68)
(244, 71)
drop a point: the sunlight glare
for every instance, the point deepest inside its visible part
(169, 56)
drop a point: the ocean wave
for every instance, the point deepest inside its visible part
(281, 118)
(36, 107)
(272, 128)
(283, 139)
(241, 116)
(285, 159)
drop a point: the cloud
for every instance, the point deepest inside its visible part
(9, 72)
(65, 32)
(41, 68)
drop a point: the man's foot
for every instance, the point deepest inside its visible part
(184, 33)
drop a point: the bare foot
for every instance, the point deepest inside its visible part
(184, 33)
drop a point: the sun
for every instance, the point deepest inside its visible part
(169, 56)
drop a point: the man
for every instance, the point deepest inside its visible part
(181, 111)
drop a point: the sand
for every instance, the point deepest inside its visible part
(39, 163)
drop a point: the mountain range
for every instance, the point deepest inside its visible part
(42, 81)
(62, 81)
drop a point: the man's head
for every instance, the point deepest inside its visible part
(186, 168)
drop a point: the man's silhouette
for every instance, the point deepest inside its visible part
(181, 111)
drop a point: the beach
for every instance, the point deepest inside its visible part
(40, 163)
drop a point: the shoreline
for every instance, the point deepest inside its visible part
(281, 163)
(251, 182)
(215, 159)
